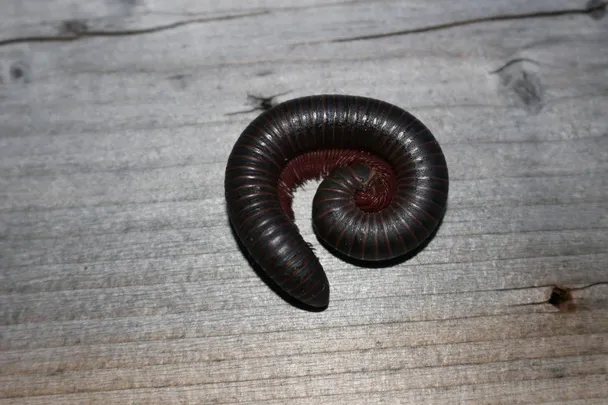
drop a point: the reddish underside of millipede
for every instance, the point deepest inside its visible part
(377, 195)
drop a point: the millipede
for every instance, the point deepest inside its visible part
(383, 190)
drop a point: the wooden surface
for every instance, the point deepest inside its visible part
(120, 281)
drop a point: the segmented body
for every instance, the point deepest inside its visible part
(384, 191)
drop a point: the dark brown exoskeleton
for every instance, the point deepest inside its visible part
(384, 191)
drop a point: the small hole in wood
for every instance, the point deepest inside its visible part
(562, 299)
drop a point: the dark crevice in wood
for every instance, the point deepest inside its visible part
(589, 285)
(72, 30)
(260, 103)
(561, 297)
(513, 62)
(592, 10)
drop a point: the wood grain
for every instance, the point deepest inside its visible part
(120, 281)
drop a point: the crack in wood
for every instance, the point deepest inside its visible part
(561, 297)
(596, 9)
(513, 62)
(72, 30)
(592, 9)
(260, 103)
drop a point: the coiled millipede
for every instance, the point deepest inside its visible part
(384, 188)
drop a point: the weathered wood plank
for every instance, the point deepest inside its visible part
(554, 391)
(120, 281)
(23, 19)
(406, 373)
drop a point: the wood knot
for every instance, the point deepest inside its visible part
(521, 80)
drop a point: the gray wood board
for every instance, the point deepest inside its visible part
(120, 281)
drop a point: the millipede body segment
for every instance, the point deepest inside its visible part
(384, 188)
